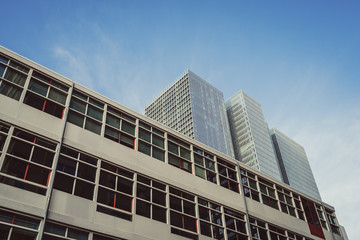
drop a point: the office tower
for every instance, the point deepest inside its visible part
(77, 165)
(250, 134)
(195, 108)
(294, 165)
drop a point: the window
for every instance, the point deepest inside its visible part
(277, 233)
(116, 189)
(286, 203)
(258, 229)
(151, 141)
(120, 128)
(235, 225)
(268, 193)
(312, 218)
(182, 210)
(300, 212)
(151, 199)
(321, 215)
(76, 173)
(28, 162)
(55, 231)
(86, 112)
(249, 185)
(4, 129)
(14, 226)
(179, 154)
(12, 78)
(210, 219)
(227, 175)
(46, 95)
(332, 220)
(204, 165)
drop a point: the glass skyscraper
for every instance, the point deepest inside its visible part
(195, 108)
(294, 165)
(250, 134)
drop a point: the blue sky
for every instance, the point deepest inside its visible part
(299, 59)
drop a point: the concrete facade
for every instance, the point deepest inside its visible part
(77, 165)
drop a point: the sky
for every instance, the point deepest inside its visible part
(299, 59)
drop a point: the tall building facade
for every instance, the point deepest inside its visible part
(294, 165)
(195, 108)
(250, 134)
(77, 165)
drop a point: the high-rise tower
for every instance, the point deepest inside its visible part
(195, 108)
(294, 165)
(250, 134)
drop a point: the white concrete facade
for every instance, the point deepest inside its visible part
(77, 165)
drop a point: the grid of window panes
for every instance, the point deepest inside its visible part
(321, 215)
(86, 112)
(268, 193)
(227, 175)
(151, 141)
(179, 154)
(76, 173)
(277, 233)
(210, 216)
(332, 220)
(12, 77)
(16, 226)
(4, 129)
(204, 165)
(235, 225)
(56, 231)
(250, 188)
(258, 229)
(120, 127)
(46, 94)
(151, 199)
(28, 162)
(182, 210)
(298, 205)
(286, 203)
(115, 193)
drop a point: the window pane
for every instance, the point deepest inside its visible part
(107, 179)
(78, 105)
(26, 222)
(63, 183)
(158, 197)
(18, 66)
(111, 134)
(84, 189)
(57, 96)
(127, 141)
(15, 77)
(2, 69)
(145, 135)
(76, 119)
(38, 87)
(54, 109)
(123, 202)
(77, 234)
(4, 60)
(93, 126)
(144, 148)
(127, 127)
(66, 165)
(200, 172)
(10, 90)
(143, 192)
(86, 172)
(185, 153)
(20, 148)
(22, 234)
(158, 154)
(37, 174)
(159, 214)
(173, 148)
(125, 186)
(34, 101)
(105, 197)
(95, 113)
(113, 121)
(143, 208)
(158, 141)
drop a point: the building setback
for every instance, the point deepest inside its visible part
(250, 134)
(294, 165)
(77, 165)
(195, 108)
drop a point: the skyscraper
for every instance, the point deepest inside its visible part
(195, 108)
(250, 134)
(294, 165)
